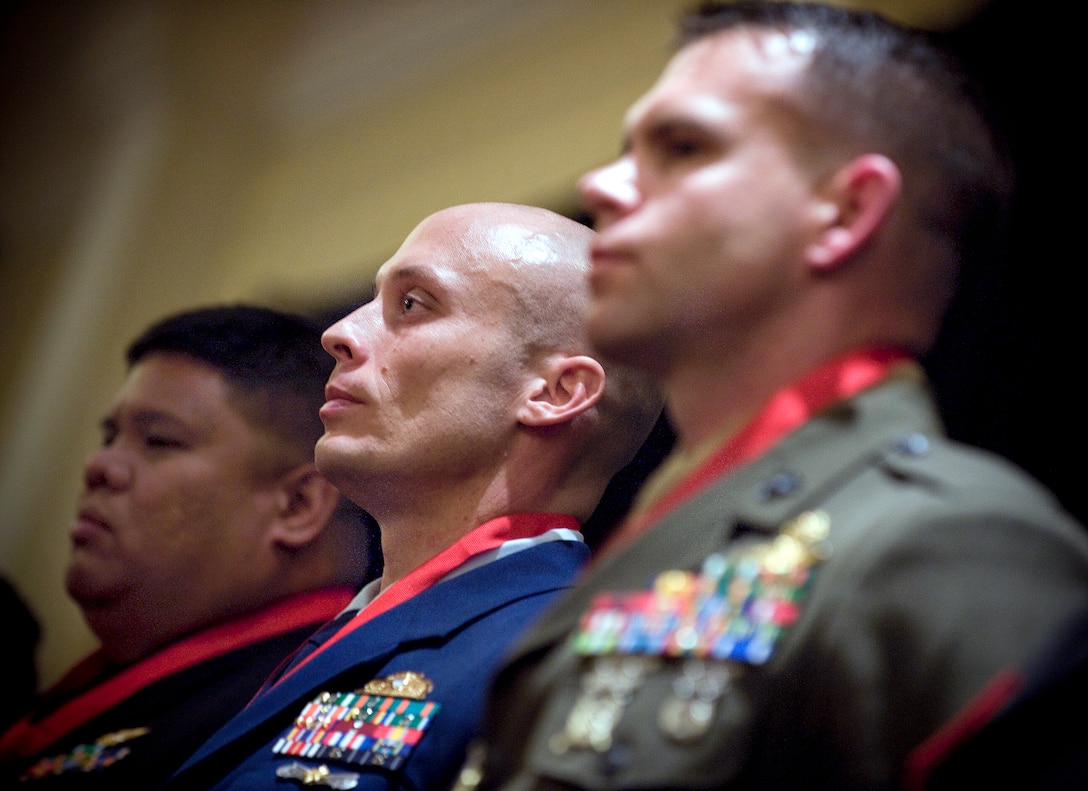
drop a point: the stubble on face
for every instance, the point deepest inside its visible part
(190, 491)
(694, 250)
(441, 377)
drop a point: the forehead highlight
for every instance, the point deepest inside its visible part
(498, 253)
(712, 84)
(742, 62)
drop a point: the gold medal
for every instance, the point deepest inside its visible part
(608, 684)
(688, 713)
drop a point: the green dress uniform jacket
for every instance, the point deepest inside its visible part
(938, 565)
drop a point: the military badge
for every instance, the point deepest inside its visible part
(318, 776)
(106, 750)
(606, 689)
(406, 684)
(736, 607)
(362, 728)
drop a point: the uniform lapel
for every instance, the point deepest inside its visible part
(757, 498)
(360, 654)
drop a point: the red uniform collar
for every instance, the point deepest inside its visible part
(104, 685)
(490, 535)
(787, 409)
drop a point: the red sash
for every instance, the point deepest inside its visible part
(787, 410)
(27, 738)
(490, 535)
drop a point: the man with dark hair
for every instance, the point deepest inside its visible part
(207, 546)
(817, 578)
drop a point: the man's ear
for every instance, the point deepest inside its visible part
(856, 200)
(305, 501)
(568, 387)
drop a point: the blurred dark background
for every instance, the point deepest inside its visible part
(1007, 367)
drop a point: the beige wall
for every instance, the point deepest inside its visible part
(160, 154)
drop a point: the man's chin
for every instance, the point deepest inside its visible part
(334, 459)
(83, 584)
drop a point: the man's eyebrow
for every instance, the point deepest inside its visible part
(407, 272)
(664, 125)
(412, 271)
(141, 417)
(647, 129)
(144, 416)
(434, 280)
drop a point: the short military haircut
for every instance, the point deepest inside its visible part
(272, 361)
(874, 85)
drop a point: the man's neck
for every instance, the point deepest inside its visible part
(710, 400)
(417, 527)
(428, 524)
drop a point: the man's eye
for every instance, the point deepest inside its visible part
(681, 148)
(156, 441)
(407, 303)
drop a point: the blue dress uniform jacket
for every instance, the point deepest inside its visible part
(943, 564)
(454, 633)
